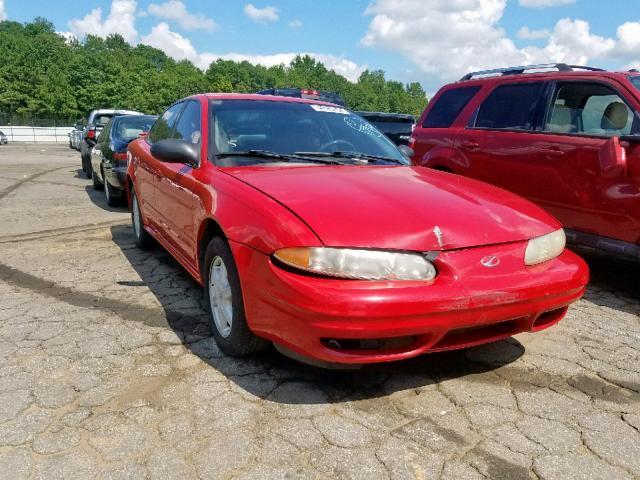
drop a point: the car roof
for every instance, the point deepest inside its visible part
(258, 97)
(118, 117)
(547, 75)
(115, 110)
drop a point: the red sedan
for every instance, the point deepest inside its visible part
(308, 228)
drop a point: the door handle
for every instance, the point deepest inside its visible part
(556, 151)
(470, 145)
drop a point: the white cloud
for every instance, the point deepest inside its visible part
(296, 24)
(68, 36)
(172, 43)
(177, 11)
(3, 11)
(544, 3)
(447, 38)
(261, 15)
(181, 48)
(121, 19)
(525, 33)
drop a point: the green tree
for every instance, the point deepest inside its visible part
(42, 74)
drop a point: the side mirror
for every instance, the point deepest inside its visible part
(173, 150)
(406, 151)
(613, 158)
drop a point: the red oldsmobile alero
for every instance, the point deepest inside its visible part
(307, 228)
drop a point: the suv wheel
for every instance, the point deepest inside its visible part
(223, 298)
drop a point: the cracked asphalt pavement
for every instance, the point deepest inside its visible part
(107, 371)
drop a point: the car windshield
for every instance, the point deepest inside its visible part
(128, 128)
(301, 130)
(636, 81)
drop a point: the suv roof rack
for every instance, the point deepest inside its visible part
(497, 72)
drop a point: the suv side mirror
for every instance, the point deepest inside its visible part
(406, 151)
(173, 150)
(613, 158)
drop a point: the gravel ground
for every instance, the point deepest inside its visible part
(107, 371)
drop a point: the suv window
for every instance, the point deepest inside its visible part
(510, 107)
(188, 127)
(589, 109)
(448, 107)
(635, 81)
(164, 125)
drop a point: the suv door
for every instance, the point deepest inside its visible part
(581, 118)
(501, 145)
(148, 167)
(174, 187)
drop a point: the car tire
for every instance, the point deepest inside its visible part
(96, 183)
(112, 200)
(223, 300)
(86, 166)
(142, 238)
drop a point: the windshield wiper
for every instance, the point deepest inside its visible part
(275, 156)
(353, 156)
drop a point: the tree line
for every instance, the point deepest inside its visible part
(42, 74)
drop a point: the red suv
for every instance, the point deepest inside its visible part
(563, 136)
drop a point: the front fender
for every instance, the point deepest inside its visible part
(248, 216)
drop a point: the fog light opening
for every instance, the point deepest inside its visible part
(549, 318)
(368, 344)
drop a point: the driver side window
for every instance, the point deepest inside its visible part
(188, 127)
(164, 125)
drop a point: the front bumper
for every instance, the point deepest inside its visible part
(357, 322)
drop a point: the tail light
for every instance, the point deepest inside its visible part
(412, 142)
(308, 92)
(91, 134)
(120, 156)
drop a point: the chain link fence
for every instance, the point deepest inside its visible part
(23, 128)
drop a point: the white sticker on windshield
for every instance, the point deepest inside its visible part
(328, 109)
(362, 126)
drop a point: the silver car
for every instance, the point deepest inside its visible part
(3, 138)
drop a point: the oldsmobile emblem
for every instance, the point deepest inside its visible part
(490, 261)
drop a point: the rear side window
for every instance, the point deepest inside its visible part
(635, 81)
(511, 107)
(448, 107)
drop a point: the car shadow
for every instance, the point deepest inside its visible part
(613, 282)
(98, 199)
(80, 174)
(184, 312)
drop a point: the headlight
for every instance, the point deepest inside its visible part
(358, 264)
(547, 247)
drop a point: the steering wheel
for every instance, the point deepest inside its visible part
(349, 147)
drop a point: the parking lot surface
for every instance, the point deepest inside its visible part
(107, 371)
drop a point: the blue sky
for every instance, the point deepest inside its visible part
(431, 41)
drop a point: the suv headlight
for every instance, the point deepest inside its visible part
(544, 248)
(359, 264)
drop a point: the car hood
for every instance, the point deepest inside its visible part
(403, 208)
